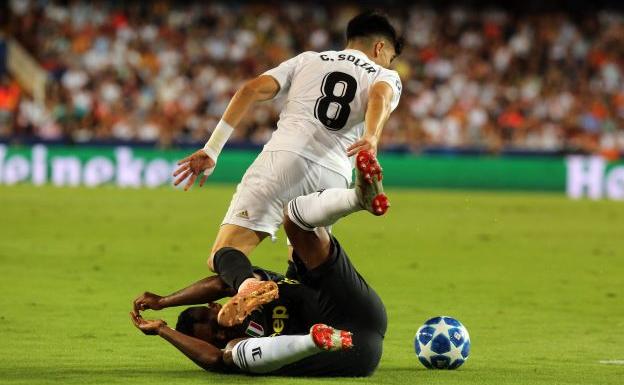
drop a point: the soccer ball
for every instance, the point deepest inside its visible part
(442, 343)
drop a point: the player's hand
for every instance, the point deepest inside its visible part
(191, 166)
(148, 327)
(368, 143)
(147, 301)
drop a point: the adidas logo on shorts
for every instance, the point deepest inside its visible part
(243, 214)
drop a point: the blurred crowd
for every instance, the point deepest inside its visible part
(163, 72)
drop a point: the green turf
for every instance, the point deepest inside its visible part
(537, 279)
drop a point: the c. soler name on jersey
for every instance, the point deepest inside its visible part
(353, 59)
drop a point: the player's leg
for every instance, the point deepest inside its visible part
(328, 268)
(326, 207)
(312, 247)
(255, 211)
(327, 179)
(274, 179)
(351, 303)
(237, 237)
(325, 264)
(253, 214)
(359, 361)
(305, 216)
(269, 184)
(235, 270)
(268, 354)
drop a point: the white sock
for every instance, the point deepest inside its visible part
(321, 209)
(267, 354)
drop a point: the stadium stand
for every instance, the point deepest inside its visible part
(475, 80)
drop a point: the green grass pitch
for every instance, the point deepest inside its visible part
(538, 280)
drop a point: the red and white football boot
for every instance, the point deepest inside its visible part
(330, 339)
(368, 184)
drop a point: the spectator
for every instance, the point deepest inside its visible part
(165, 71)
(9, 98)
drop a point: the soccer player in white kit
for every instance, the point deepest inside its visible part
(337, 103)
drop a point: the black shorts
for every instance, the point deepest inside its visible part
(346, 302)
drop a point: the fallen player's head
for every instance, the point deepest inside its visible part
(201, 322)
(373, 31)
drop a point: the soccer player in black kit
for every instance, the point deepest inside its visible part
(281, 328)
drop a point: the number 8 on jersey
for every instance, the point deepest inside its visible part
(332, 107)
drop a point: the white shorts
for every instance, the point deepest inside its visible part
(274, 178)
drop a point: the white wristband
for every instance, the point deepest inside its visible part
(217, 140)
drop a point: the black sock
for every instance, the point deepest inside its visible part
(232, 266)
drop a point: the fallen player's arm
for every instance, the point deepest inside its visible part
(202, 353)
(377, 113)
(261, 88)
(205, 355)
(203, 291)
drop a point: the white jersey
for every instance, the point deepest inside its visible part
(327, 96)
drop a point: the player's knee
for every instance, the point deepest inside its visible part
(210, 263)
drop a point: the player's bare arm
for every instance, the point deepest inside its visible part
(259, 89)
(202, 353)
(203, 291)
(377, 113)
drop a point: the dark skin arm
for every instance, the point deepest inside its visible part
(203, 291)
(202, 353)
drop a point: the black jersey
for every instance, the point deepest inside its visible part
(334, 294)
(294, 312)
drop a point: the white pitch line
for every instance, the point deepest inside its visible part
(612, 362)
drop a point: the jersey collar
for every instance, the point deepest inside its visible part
(360, 54)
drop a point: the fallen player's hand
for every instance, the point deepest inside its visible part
(148, 301)
(191, 166)
(368, 143)
(148, 327)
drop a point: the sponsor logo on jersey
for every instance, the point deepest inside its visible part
(288, 281)
(280, 315)
(254, 329)
(243, 214)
